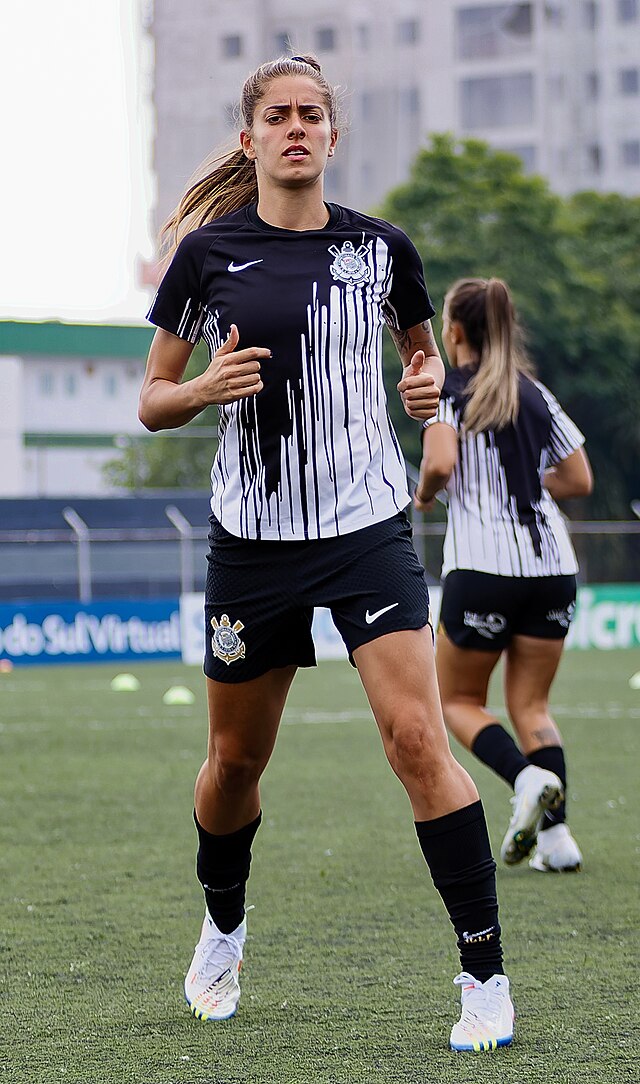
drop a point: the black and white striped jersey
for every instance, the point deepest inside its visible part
(314, 454)
(501, 519)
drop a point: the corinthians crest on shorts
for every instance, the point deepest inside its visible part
(349, 264)
(225, 642)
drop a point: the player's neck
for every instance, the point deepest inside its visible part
(294, 209)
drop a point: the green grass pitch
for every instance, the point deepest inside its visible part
(350, 955)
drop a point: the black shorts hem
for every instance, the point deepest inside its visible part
(239, 677)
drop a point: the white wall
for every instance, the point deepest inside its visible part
(11, 399)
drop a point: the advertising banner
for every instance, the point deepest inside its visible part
(70, 632)
(607, 617)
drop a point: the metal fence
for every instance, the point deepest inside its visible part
(85, 563)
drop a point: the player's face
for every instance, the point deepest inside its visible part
(291, 137)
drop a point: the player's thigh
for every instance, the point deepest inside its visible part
(244, 717)
(399, 677)
(463, 673)
(531, 664)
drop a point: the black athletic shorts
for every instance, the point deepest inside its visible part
(483, 612)
(260, 595)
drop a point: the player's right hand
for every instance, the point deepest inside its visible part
(233, 374)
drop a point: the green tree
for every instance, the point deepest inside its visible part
(572, 267)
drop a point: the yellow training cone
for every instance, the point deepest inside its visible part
(125, 683)
(178, 694)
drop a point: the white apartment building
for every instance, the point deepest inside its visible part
(556, 81)
(69, 399)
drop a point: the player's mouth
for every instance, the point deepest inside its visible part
(296, 153)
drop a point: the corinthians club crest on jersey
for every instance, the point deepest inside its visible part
(349, 264)
(225, 642)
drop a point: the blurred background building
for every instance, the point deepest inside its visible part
(555, 81)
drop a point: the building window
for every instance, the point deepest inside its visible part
(592, 85)
(110, 385)
(556, 87)
(231, 46)
(70, 384)
(554, 15)
(627, 11)
(493, 31)
(527, 156)
(594, 158)
(363, 36)
(282, 42)
(325, 38)
(590, 14)
(46, 383)
(630, 153)
(498, 101)
(366, 105)
(629, 81)
(409, 101)
(408, 32)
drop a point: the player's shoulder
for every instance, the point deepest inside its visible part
(200, 240)
(372, 225)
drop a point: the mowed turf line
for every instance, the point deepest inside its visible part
(350, 955)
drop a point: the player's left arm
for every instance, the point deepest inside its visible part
(423, 371)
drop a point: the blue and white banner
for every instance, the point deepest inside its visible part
(70, 632)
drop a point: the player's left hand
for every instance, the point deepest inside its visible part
(418, 390)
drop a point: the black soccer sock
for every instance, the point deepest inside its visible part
(551, 757)
(457, 850)
(495, 747)
(223, 870)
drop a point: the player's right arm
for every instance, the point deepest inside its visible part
(167, 402)
(571, 477)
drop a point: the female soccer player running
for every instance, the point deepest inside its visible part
(504, 449)
(308, 490)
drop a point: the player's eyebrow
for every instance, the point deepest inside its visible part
(287, 106)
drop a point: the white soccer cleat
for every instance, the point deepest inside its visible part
(211, 987)
(536, 790)
(556, 851)
(487, 1015)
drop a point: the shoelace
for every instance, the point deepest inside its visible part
(218, 956)
(479, 1006)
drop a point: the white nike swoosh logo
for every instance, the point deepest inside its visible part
(370, 618)
(241, 266)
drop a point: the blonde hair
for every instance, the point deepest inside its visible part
(226, 181)
(484, 309)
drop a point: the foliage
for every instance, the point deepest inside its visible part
(573, 269)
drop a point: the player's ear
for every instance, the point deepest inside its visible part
(456, 331)
(247, 145)
(334, 140)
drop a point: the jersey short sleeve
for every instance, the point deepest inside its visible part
(178, 306)
(408, 302)
(564, 436)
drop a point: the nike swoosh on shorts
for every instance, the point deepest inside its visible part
(370, 618)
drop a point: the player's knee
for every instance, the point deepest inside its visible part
(235, 769)
(411, 754)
